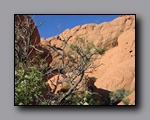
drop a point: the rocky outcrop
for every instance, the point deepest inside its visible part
(106, 33)
(118, 69)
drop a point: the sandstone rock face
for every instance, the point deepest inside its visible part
(118, 69)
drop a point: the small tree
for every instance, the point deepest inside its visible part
(77, 61)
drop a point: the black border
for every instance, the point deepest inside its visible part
(64, 107)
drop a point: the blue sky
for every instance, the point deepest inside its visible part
(52, 24)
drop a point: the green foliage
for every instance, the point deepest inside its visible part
(28, 84)
(71, 57)
(88, 49)
(101, 50)
(88, 100)
(85, 60)
(118, 95)
(43, 103)
(85, 98)
(126, 101)
(74, 47)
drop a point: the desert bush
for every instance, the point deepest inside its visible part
(101, 50)
(85, 98)
(118, 95)
(28, 84)
(126, 101)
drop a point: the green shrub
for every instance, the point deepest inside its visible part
(126, 101)
(74, 47)
(83, 99)
(118, 95)
(101, 50)
(28, 84)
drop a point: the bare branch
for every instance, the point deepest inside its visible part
(41, 23)
(72, 88)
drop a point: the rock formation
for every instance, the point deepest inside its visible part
(25, 30)
(26, 25)
(118, 69)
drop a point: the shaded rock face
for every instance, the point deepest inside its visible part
(118, 69)
(26, 26)
(24, 21)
